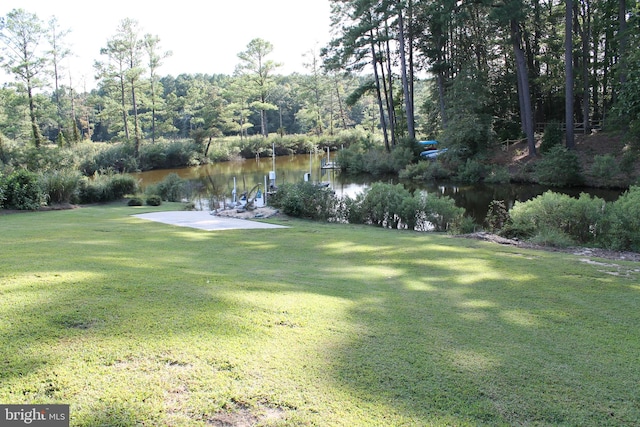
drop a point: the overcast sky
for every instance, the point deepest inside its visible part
(204, 36)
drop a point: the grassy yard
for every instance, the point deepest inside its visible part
(140, 323)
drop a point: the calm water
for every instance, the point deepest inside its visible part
(215, 182)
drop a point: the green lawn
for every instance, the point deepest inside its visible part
(139, 323)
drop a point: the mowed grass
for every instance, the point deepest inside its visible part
(133, 322)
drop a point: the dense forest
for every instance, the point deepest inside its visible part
(498, 69)
(134, 102)
(469, 73)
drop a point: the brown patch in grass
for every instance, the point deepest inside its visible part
(242, 415)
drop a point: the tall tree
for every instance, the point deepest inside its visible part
(568, 58)
(154, 60)
(129, 35)
(316, 91)
(363, 39)
(124, 51)
(237, 109)
(624, 40)
(259, 69)
(113, 75)
(58, 52)
(512, 15)
(405, 75)
(21, 36)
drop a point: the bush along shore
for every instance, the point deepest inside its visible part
(94, 173)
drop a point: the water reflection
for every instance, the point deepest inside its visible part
(217, 180)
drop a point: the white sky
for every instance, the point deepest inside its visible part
(204, 36)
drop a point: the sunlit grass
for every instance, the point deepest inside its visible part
(138, 323)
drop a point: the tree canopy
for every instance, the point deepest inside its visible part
(468, 73)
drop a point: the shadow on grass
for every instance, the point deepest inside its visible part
(453, 339)
(435, 331)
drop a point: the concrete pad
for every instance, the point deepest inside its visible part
(204, 220)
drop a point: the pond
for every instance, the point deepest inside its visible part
(209, 184)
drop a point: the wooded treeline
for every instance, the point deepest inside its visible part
(134, 102)
(468, 73)
(500, 68)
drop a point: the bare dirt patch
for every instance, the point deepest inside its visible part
(241, 415)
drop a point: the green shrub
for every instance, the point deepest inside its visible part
(152, 156)
(350, 210)
(552, 137)
(605, 169)
(552, 237)
(22, 191)
(471, 172)
(105, 188)
(154, 200)
(621, 229)
(305, 200)
(581, 219)
(392, 206)
(222, 152)
(135, 201)
(587, 218)
(2, 191)
(497, 216)
(90, 190)
(119, 185)
(255, 146)
(628, 162)
(401, 156)
(117, 157)
(374, 161)
(498, 175)
(377, 162)
(425, 170)
(383, 205)
(172, 188)
(168, 155)
(559, 168)
(350, 159)
(60, 186)
(465, 225)
(440, 212)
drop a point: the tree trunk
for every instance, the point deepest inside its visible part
(408, 102)
(443, 112)
(136, 126)
(340, 107)
(263, 117)
(123, 100)
(523, 79)
(153, 108)
(624, 38)
(595, 99)
(411, 75)
(388, 92)
(586, 32)
(37, 139)
(568, 64)
(383, 121)
(206, 150)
